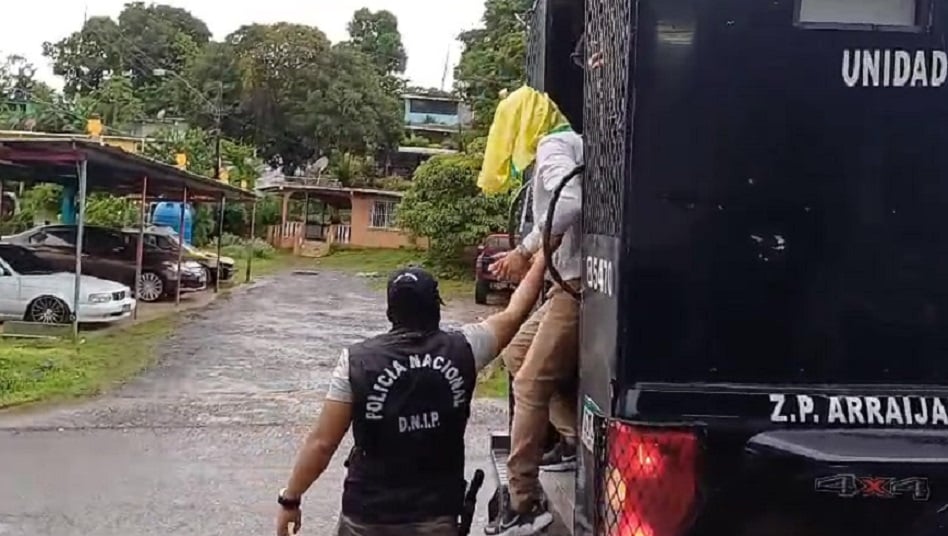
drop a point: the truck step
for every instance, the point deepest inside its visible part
(558, 487)
(560, 490)
(499, 452)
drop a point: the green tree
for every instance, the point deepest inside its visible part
(29, 104)
(238, 159)
(280, 66)
(16, 77)
(445, 205)
(115, 102)
(111, 211)
(493, 57)
(150, 45)
(39, 199)
(376, 35)
(87, 56)
(295, 97)
(215, 77)
(354, 113)
(195, 143)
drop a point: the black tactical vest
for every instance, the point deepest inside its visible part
(411, 401)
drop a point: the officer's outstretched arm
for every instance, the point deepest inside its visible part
(319, 447)
(504, 325)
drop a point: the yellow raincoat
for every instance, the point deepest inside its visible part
(521, 120)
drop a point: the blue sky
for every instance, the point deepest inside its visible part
(428, 27)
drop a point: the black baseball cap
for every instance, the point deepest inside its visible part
(413, 288)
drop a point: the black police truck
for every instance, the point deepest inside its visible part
(765, 311)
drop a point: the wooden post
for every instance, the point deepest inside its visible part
(305, 215)
(80, 232)
(184, 204)
(220, 238)
(140, 250)
(253, 222)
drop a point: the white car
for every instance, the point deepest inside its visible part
(30, 290)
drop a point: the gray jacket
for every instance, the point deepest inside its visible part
(557, 155)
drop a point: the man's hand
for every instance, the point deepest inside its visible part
(510, 265)
(596, 61)
(285, 518)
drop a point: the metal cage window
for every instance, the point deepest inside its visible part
(609, 45)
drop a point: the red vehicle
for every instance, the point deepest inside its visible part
(484, 282)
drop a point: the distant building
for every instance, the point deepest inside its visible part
(433, 124)
(435, 117)
(336, 215)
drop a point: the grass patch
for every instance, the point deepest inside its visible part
(493, 382)
(263, 267)
(34, 371)
(383, 262)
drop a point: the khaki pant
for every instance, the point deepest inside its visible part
(563, 402)
(549, 361)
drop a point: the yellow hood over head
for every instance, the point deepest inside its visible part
(521, 120)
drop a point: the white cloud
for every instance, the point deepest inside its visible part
(428, 27)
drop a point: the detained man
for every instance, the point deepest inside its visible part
(407, 396)
(529, 129)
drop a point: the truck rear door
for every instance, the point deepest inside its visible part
(766, 319)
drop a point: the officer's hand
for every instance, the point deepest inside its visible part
(285, 518)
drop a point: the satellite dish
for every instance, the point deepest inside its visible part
(321, 165)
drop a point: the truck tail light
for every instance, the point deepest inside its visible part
(650, 480)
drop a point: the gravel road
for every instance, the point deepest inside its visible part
(201, 442)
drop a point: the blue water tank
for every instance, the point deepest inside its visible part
(168, 214)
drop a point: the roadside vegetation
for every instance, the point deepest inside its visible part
(493, 382)
(377, 264)
(48, 370)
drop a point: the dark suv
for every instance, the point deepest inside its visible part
(111, 254)
(484, 281)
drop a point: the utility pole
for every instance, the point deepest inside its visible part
(217, 129)
(444, 73)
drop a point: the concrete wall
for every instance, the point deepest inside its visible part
(365, 235)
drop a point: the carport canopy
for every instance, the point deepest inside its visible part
(109, 169)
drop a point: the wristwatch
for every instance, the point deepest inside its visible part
(288, 503)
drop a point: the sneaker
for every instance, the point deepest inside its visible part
(559, 459)
(533, 522)
(495, 510)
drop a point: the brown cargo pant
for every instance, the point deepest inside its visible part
(563, 403)
(444, 526)
(549, 359)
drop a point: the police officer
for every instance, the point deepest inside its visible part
(407, 395)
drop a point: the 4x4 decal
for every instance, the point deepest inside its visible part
(851, 486)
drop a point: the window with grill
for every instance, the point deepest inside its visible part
(383, 214)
